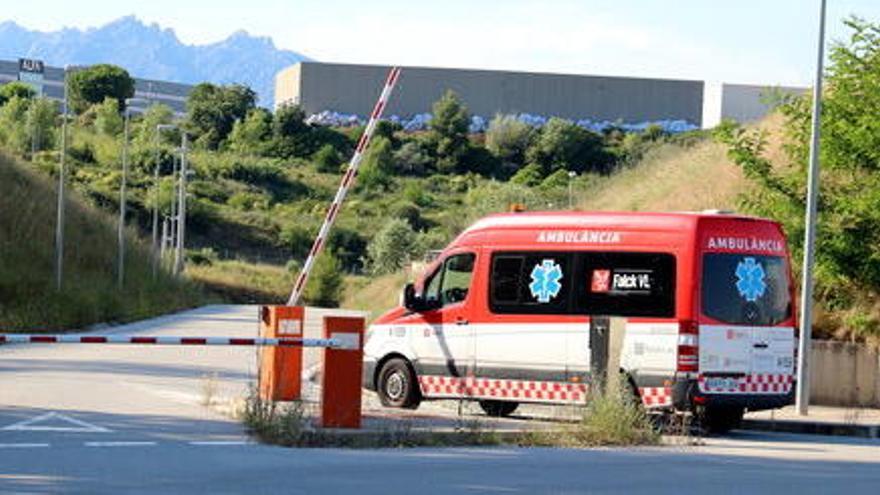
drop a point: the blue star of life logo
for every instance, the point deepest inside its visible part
(545, 281)
(750, 279)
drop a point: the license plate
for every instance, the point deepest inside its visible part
(717, 382)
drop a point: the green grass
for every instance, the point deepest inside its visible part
(29, 300)
(614, 417)
(242, 282)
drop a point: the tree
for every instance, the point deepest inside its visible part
(211, 111)
(392, 247)
(156, 114)
(378, 165)
(324, 288)
(562, 144)
(13, 132)
(290, 133)
(848, 236)
(16, 88)
(251, 135)
(508, 138)
(91, 85)
(40, 123)
(449, 131)
(107, 118)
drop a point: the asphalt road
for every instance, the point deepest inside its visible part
(124, 419)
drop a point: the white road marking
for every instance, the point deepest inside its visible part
(79, 425)
(120, 444)
(22, 445)
(221, 442)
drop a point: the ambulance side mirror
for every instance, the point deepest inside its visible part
(410, 299)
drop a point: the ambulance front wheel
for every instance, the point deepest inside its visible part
(397, 386)
(498, 408)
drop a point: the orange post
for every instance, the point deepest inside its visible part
(341, 380)
(281, 367)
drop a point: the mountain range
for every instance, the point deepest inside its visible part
(153, 52)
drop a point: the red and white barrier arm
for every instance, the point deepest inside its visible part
(12, 338)
(347, 181)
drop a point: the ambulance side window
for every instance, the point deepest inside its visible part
(457, 273)
(432, 287)
(530, 283)
(625, 284)
(451, 282)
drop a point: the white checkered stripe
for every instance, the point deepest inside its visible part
(490, 388)
(755, 383)
(656, 396)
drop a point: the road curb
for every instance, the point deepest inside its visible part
(812, 428)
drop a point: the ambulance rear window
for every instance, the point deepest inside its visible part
(745, 289)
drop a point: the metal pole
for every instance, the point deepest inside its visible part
(121, 231)
(174, 189)
(59, 223)
(164, 238)
(803, 382)
(155, 245)
(181, 220)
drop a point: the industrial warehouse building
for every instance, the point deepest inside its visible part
(49, 82)
(352, 89)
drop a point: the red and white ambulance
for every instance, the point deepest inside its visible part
(502, 316)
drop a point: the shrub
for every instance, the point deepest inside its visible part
(411, 159)
(562, 144)
(324, 288)
(392, 247)
(378, 165)
(530, 175)
(107, 119)
(508, 138)
(327, 159)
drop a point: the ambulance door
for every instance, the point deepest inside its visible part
(446, 346)
(530, 327)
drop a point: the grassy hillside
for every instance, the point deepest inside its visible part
(675, 178)
(28, 298)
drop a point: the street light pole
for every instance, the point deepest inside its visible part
(571, 176)
(59, 222)
(120, 272)
(157, 249)
(154, 245)
(806, 328)
(181, 209)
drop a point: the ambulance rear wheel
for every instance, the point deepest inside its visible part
(720, 420)
(498, 408)
(397, 385)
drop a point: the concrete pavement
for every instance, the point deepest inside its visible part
(747, 463)
(129, 419)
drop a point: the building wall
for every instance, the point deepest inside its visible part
(354, 89)
(741, 102)
(169, 93)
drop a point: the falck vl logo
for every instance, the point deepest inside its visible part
(750, 279)
(545, 281)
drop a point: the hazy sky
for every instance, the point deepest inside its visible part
(758, 41)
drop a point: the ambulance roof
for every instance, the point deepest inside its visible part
(591, 220)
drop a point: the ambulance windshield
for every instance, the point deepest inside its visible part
(746, 289)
